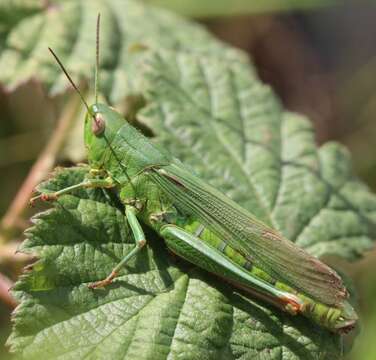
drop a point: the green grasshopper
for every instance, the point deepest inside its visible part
(202, 225)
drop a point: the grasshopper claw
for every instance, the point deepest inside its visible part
(42, 197)
(48, 197)
(103, 283)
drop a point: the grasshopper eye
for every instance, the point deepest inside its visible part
(98, 125)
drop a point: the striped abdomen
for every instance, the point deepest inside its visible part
(320, 313)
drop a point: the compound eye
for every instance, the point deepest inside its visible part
(99, 124)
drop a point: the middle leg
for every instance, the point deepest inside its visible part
(139, 236)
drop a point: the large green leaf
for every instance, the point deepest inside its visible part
(217, 117)
(128, 29)
(207, 106)
(157, 309)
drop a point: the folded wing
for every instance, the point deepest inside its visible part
(256, 241)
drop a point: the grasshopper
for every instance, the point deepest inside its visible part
(200, 224)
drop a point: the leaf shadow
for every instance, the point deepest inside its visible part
(288, 330)
(276, 323)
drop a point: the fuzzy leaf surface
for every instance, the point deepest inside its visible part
(128, 29)
(221, 120)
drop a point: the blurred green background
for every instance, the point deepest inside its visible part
(319, 56)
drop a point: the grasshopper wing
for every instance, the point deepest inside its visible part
(257, 242)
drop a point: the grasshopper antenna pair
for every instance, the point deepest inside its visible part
(98, 124)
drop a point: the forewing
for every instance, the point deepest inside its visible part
(256, 241)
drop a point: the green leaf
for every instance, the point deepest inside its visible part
(128, 29)
(207, 106)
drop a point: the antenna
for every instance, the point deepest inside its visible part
(96, 86)
(70, 79)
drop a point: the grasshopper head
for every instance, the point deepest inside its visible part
(117, 147)
(101, 125)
